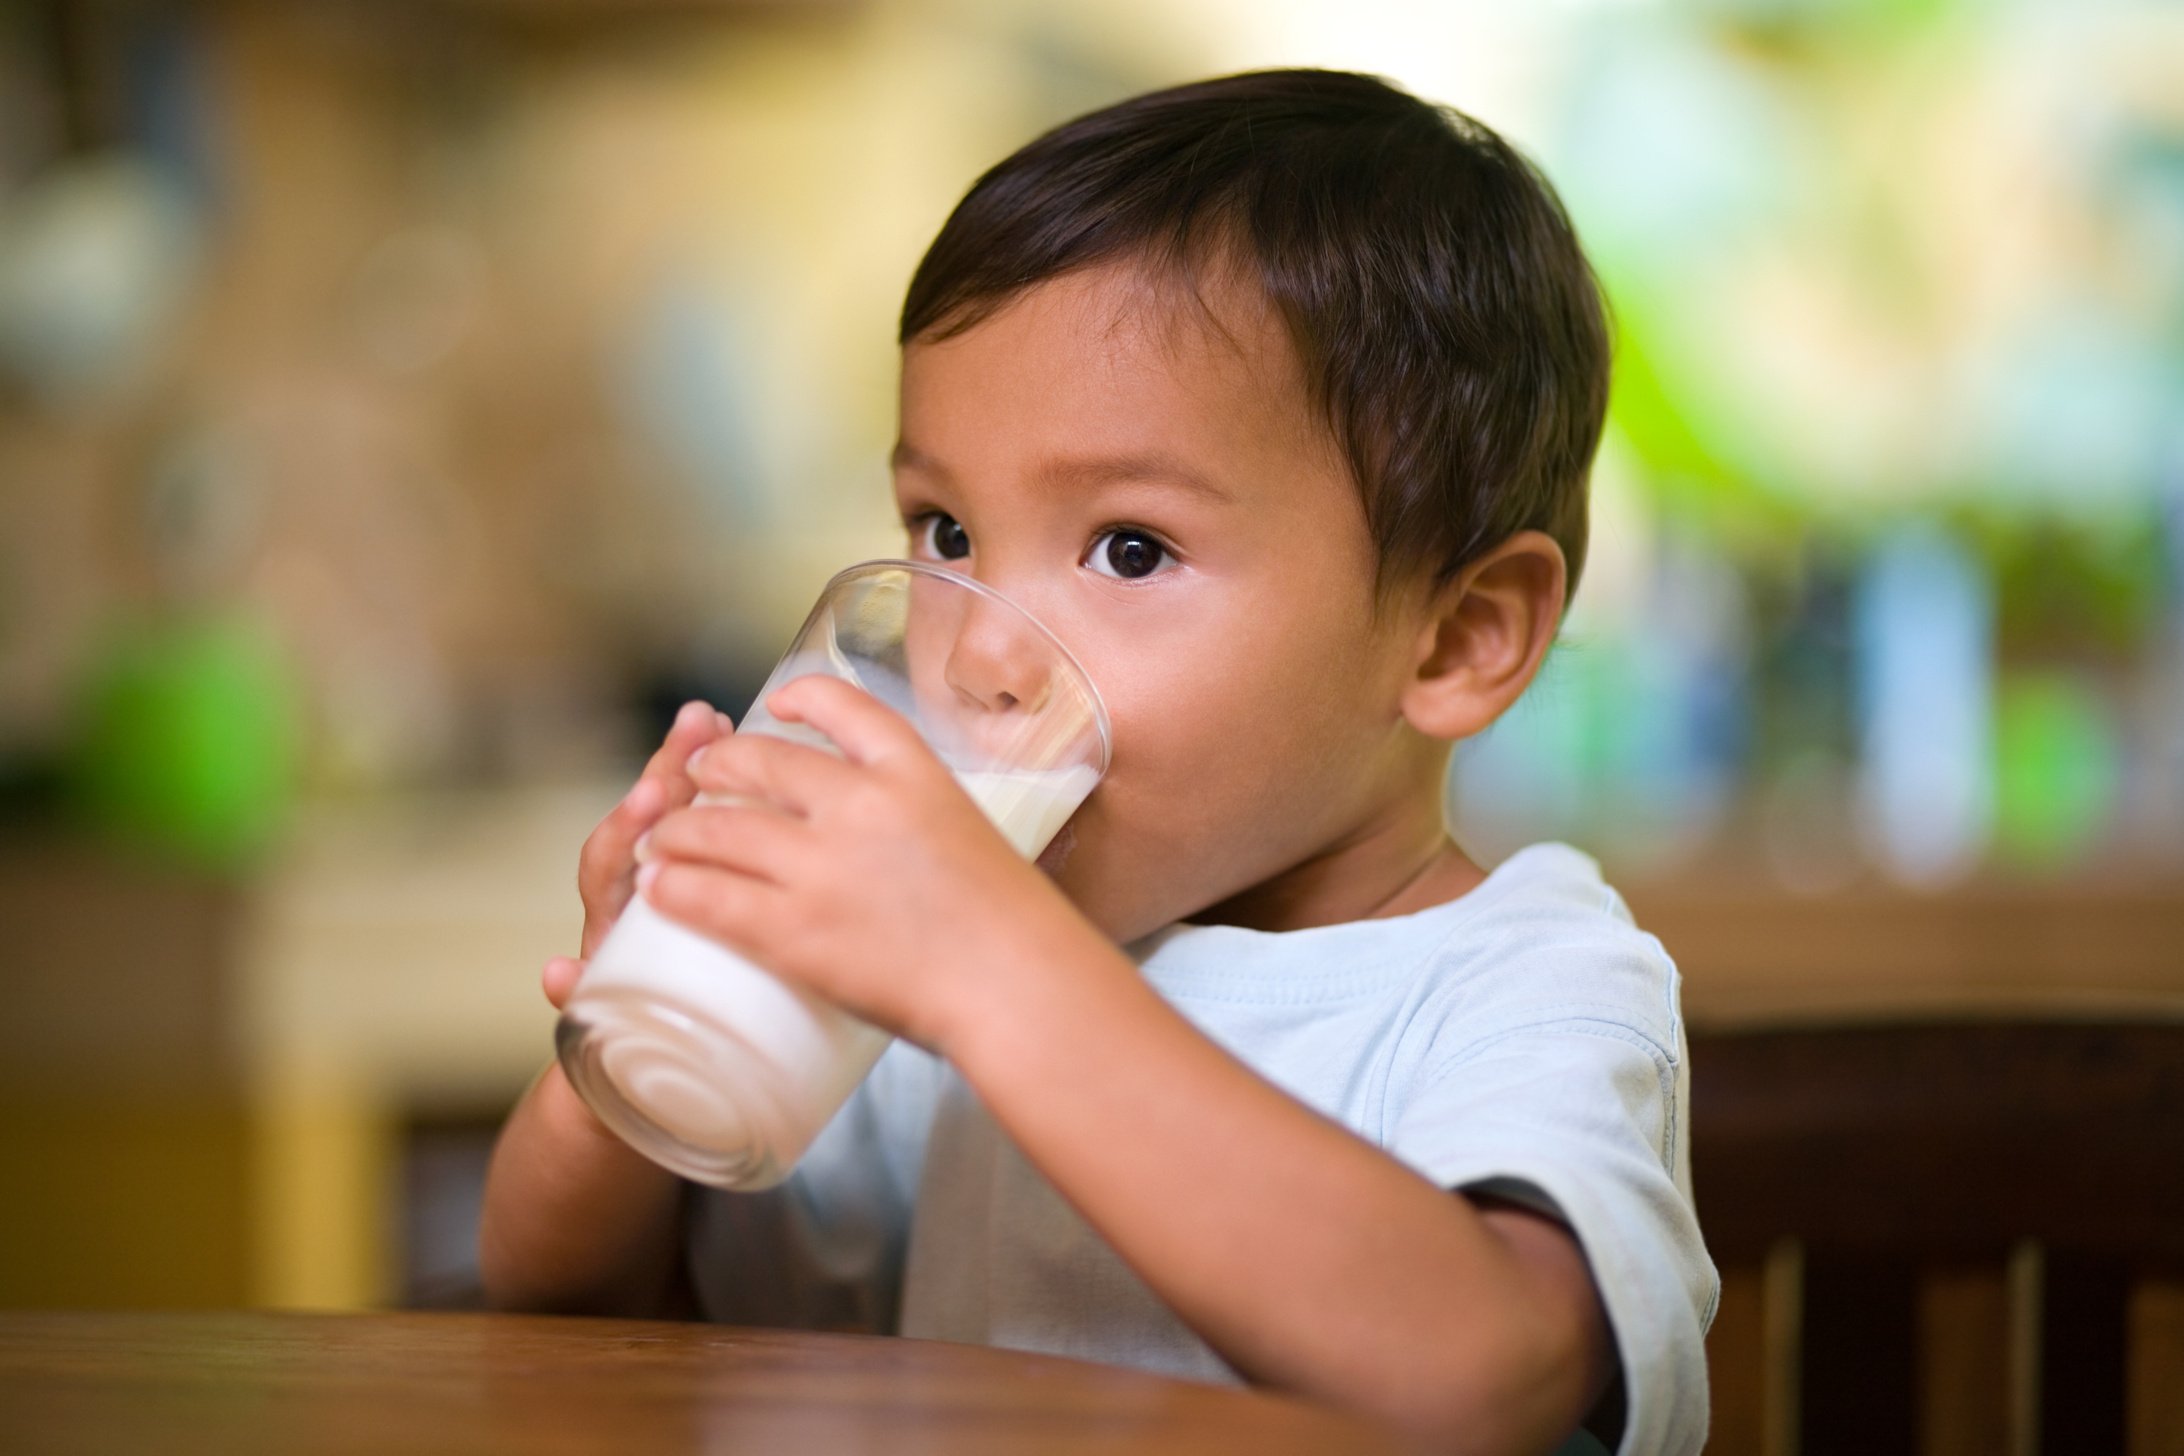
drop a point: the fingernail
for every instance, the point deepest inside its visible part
(692, 714)
(690, 765)
(646, 876)
(643, 849)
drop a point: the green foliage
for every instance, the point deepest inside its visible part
(186, 740)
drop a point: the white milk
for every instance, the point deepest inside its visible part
(739, 1069)
(1027, 807)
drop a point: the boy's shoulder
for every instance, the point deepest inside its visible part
(1543, 937)
(1546, 938)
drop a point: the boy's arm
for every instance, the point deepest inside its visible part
(575, 1221)
(1309, 1259)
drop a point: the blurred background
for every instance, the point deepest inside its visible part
(404, 406)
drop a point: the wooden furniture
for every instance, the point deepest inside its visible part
(246, 1059)
(1945, 1237)
(118, 1094)
(1753, 956)
(235, 1384)
(244, 1056)
(1938, 1149)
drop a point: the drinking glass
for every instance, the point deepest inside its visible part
(702, 1060)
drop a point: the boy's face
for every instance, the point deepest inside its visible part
(1159, 491)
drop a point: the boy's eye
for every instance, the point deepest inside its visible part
(1128, 553)
(945, 536)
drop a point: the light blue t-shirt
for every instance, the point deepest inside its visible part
(1523, 1040)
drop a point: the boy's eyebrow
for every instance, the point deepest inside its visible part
(906, 456)
(1150, 467)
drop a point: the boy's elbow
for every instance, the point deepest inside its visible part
(508, 1285)
(1517, 1392)
(504, 1295)
(515, 1281)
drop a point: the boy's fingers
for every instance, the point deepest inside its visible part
(604, 864)
(735, 908)
(605, 856)
(751, 838)
(559, 978)
(863, 727)
(791, 775)
(695, 726)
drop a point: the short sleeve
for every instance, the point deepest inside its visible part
(823, 1250)
(1580, 1116)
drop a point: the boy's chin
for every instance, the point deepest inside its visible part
(1056, 854)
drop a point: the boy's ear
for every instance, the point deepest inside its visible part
(1484, 636)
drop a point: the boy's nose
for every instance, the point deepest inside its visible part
(997, 662)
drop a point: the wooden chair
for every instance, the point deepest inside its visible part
(1945, 1237)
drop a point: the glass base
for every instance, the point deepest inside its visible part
(679, 1090)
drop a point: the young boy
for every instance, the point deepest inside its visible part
(1274, 397)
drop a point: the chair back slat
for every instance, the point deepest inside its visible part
(1887, 1194)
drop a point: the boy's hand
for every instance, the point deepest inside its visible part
(606, 869)
(871, 878)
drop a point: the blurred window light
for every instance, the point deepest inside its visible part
(1924, 625)
(96, 259)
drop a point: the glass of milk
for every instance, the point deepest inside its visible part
(699, 1058)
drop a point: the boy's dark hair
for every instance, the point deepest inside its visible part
(1447, 322)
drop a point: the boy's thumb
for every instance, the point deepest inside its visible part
(560, 978)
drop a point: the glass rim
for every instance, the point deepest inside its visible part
(925, 568)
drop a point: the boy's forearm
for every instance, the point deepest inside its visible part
(1312, 1261)
(575, 1221)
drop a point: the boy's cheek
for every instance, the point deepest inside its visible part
(1126, 884)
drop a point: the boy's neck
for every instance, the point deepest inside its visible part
(1392, 867)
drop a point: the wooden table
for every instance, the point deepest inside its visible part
(281, 1382)
(1754, 958)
